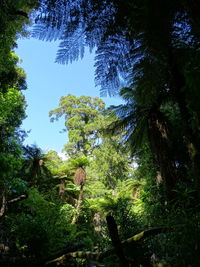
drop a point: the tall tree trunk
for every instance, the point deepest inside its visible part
(159, 140)
(192, 136)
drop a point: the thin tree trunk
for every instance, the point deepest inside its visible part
(62, 188)
(78, 206)
(3, 204)
(17, 199)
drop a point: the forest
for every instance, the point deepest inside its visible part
(128, 192)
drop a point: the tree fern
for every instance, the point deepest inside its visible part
(121, 32)
(71, 47)
(113, 63)
(140, 42)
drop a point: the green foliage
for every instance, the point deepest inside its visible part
(83, 120)
(54, 162)
(152, 48)
(33, 167)
(12, 80)
(13, 18)
(79, 162)
(17, 187)
(10, 74)
(179, 246)
(41, 225)
(111, 162)
(12, 110)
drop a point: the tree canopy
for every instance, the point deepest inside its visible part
(128, 192)
(83, 121)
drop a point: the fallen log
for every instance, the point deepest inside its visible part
(100, 256)
(144, 234)
(65, 251)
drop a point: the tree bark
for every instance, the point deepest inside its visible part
(113, 231)
(159, 140)
(78, 206)
(3, 204)
(62, 188)
(17, 199)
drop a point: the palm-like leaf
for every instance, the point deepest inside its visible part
(34, 164)
(132, 121)
(123, 32)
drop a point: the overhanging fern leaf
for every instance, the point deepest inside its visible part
(72, 47)
(50, 34)
(112, 63)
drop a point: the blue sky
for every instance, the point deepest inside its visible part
(47, 82)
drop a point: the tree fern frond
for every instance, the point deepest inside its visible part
(50, 34)
(112, 63)
(71, 48)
